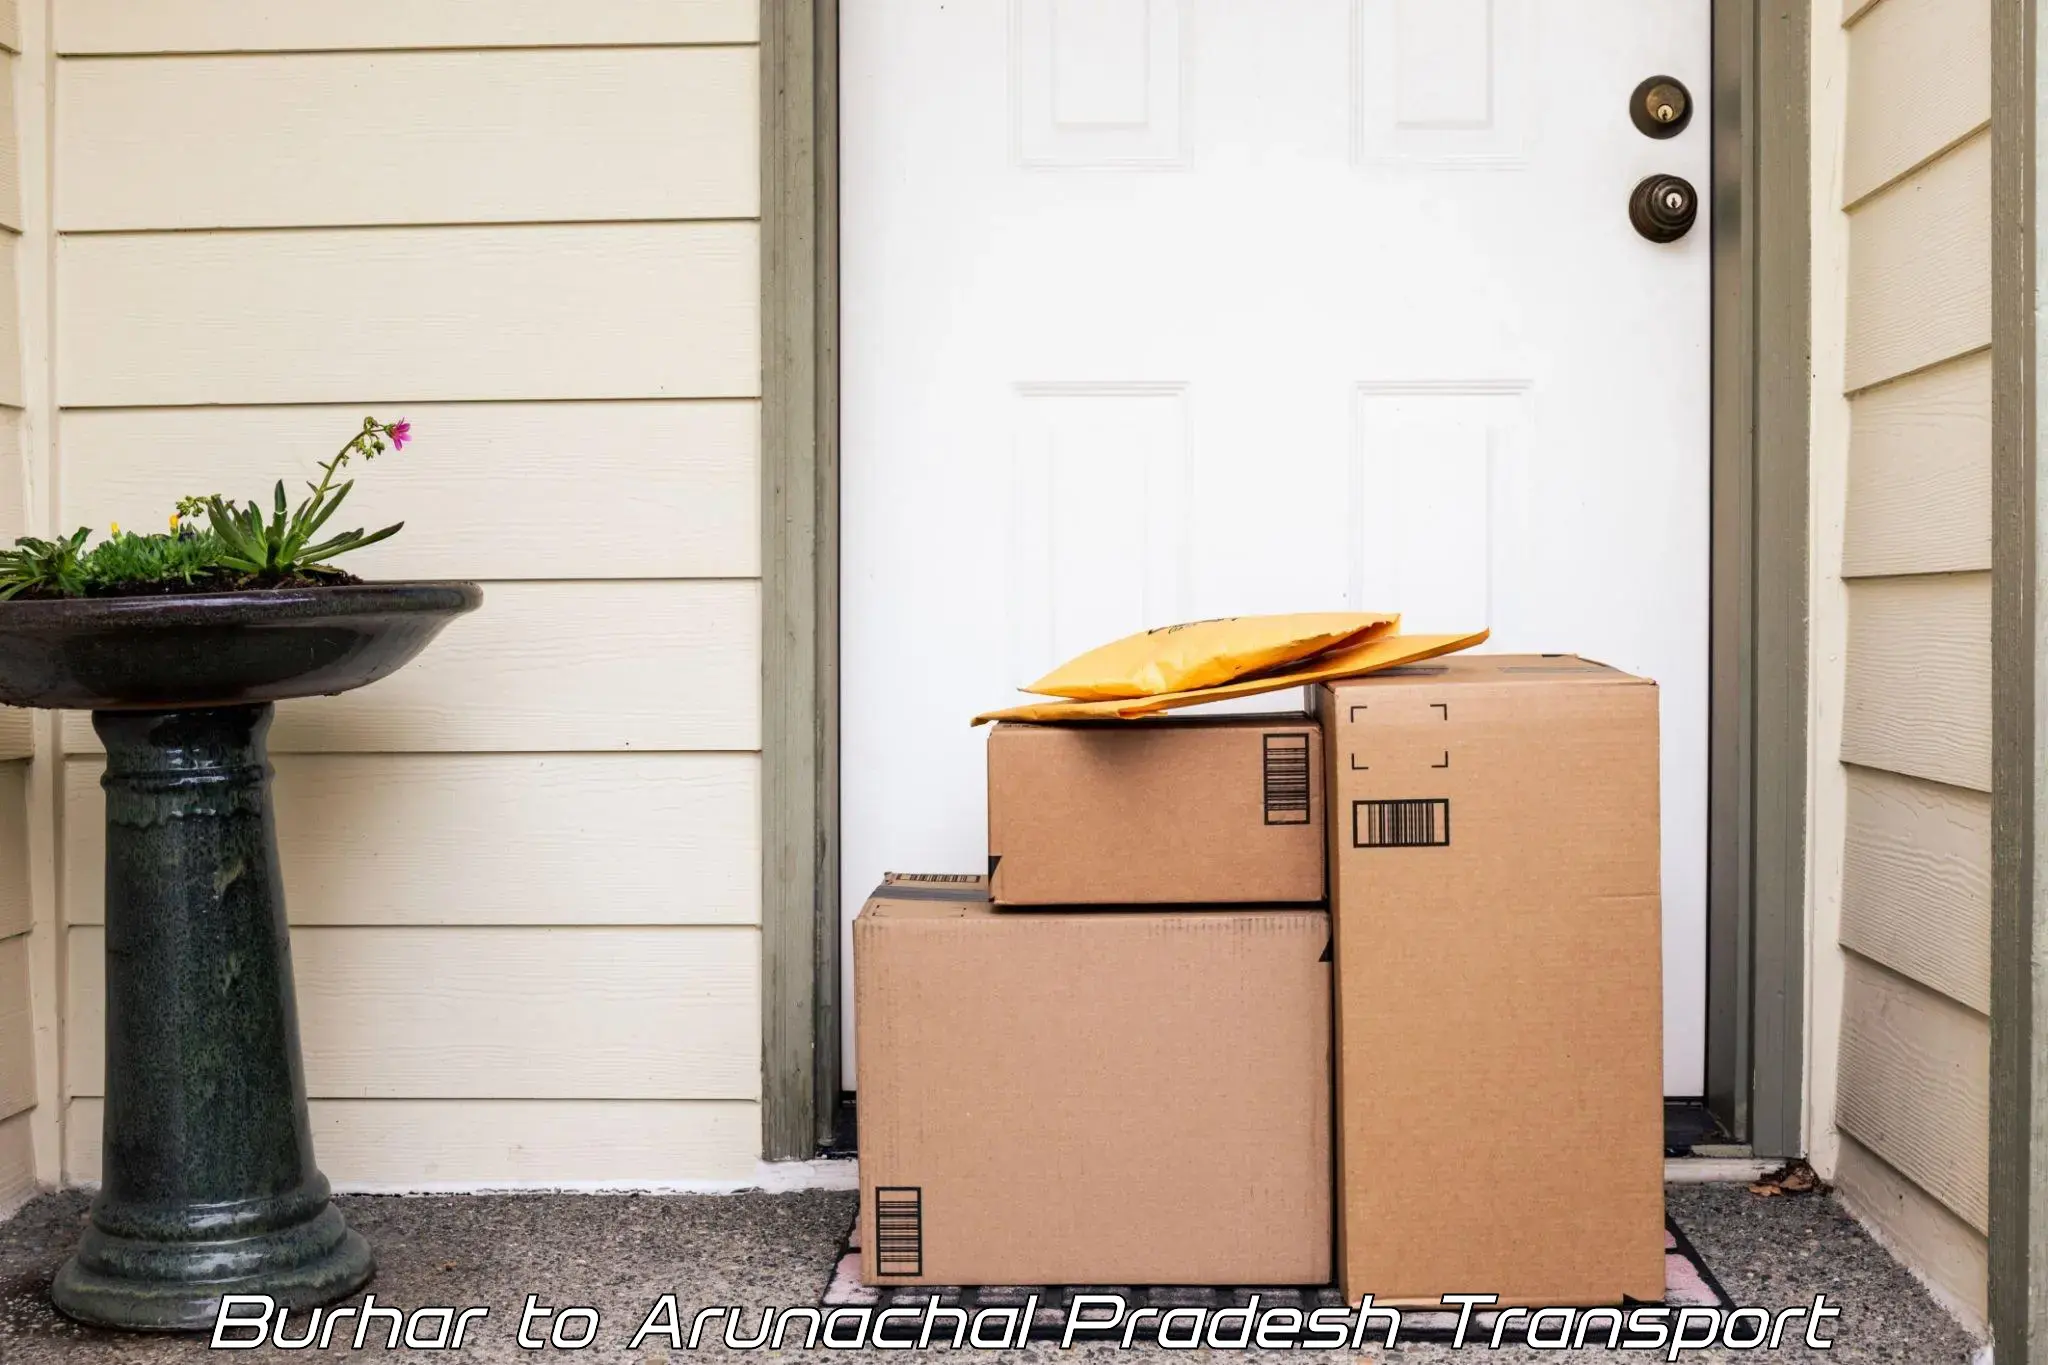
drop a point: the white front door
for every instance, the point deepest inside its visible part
(1163, 309)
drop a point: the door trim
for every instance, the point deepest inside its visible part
(1756, 909)
(1761, 348)
(799, 576)
(2019, 750)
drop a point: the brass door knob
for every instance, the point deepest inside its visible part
(1662, 207)
(1660, 107)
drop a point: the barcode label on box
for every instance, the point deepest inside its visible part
(1401, 824)
(899, 1230)
(1287, 779)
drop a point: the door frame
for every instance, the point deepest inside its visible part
(1756, 906)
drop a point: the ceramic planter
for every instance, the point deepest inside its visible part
(208, 1183)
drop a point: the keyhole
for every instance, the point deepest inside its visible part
(1660, 107)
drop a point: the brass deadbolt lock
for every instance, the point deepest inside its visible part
(1660, 107)
(1662, 207)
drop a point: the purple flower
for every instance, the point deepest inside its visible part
(401, 432)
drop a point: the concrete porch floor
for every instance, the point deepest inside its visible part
(619, 1253)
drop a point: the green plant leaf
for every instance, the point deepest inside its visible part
(351, 540)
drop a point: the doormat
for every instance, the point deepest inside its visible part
(1688, 1283)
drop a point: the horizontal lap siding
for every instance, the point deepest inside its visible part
(18, 1089)
(402, 315)
(663, 665)
(17, 1164)
(1917, 1228)
(1916, 882)
(85, 27)
(15, 726)
(1919, 678)
(523, 873)
(488, 839)
(1920, 268)
(407, 1145)
(1913, 1088)
(561, 1013)
(509, 137)
(644, 489)
(1921, 83)
(1915, 1085)
(1920, 473)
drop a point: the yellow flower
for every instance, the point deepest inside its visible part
(117, 528)
(174, 521)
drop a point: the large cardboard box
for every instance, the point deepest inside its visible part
(1091, 1097)
(1495, 896)
(1213, 811)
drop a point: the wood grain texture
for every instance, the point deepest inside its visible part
(1916, 882)
(16, 910)
(17, 1164)
(17, 733)
(1918, 693)
(491, 490)
(1920, 473)
(1920, 269)
(799, 827)
(10, 25)
(336, 139)
(1919, 82)
(1947, 1252)
(17, 1029)
(391, 315)
(388, 1145)
(125, 27)
(1916, 1085)
(553, 666)
(497, 1013)
(423, 839)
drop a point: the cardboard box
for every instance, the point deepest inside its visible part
(1215, 811)
(1091, 1097)
(1495, 895)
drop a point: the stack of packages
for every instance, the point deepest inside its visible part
(1122, 1056)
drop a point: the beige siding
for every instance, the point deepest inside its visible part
(642, 489)
(1916, 1086)
(169, 143)
(405, 315)
(567, 1013)
(1919, 693)
(554, 666)
(1912, 837)
(1920, 268)
(1920, 483)
(437, 827)
(17, 1164)
(464, 1144)
(1916, 882)
(523, 874)
(18, 1034)
(1919, 82)
(1948, 1254)
(109, 27)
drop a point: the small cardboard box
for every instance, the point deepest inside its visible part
(1094, 1097)
(1494, 881)
(1212, 811)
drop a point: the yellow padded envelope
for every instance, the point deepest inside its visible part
(1200, 654)
(1350, 661)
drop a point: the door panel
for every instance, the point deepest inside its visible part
(1163, 309)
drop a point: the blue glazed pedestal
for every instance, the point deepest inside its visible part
(208, 1181)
